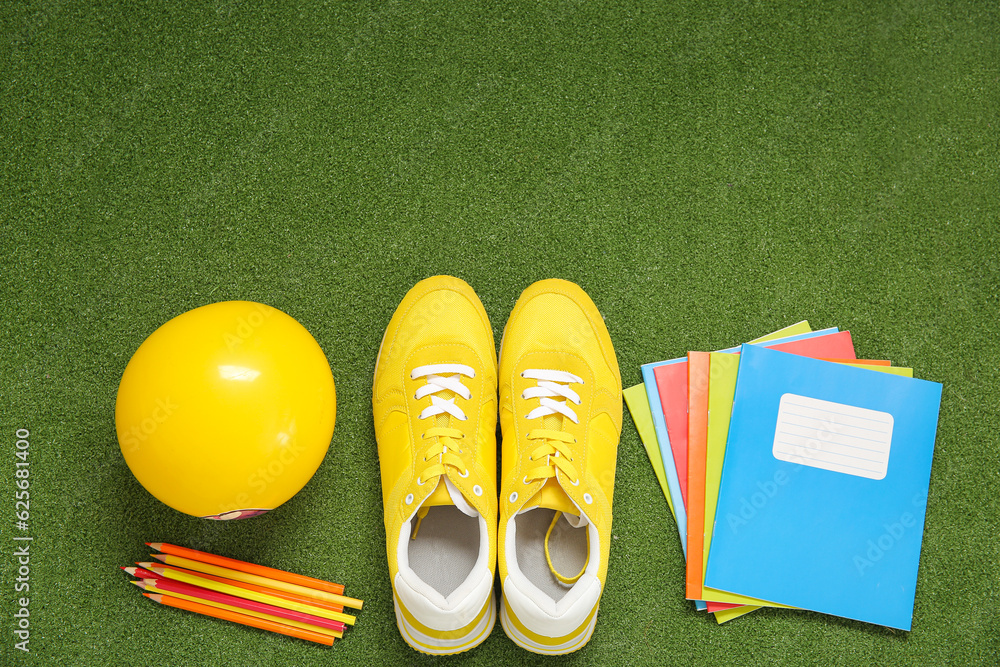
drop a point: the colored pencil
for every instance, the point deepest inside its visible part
(220, 587)
(205, 595)
(253, 587)
(242, 619)
(249, 568)
(217, 570)
(140, 572)
(150, 586)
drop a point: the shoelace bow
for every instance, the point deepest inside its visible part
(553, 453)
(445, 449)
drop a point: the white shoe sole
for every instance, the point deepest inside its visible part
(434, 646)
(529, 644)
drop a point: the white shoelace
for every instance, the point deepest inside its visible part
(552, 384)
(443, 377)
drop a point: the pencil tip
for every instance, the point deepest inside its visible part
(129, 570)
(150, 544)
(159, 557)
(140, 584)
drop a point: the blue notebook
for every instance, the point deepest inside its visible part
(824, 487)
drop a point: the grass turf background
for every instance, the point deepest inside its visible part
(707, 171)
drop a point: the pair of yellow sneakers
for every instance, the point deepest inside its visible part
(560, 408)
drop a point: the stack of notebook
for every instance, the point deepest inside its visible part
(797, 473)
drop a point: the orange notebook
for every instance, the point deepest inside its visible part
(697, 441)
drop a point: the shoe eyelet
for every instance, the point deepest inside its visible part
(478, 490)
(513, 497)
(409, 499)
(575, 482)
(587, 498)
(465, 475)
(526, 480)
(420, 482)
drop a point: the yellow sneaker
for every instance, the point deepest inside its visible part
(561, 417)
(435, 405)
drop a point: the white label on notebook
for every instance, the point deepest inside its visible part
(833, 436)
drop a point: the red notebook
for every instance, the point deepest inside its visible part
(672, 384)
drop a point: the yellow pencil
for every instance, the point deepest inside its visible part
(191, 578)
(150, 587)
(249, 578)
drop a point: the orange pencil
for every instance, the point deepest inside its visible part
(180, 575)
(242, 619)
(249, 568)
(217, 570)
(152, 586)
(254, 587)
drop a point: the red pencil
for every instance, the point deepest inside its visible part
(140, 572)
(249, 568)
(203, 593)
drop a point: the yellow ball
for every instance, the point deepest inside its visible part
(227, 410)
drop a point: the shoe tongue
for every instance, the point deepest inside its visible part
(552, 497)
(446, 493)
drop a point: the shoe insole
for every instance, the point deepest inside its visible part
(567, 548)
(446, 548)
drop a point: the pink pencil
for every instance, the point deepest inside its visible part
(171, 586)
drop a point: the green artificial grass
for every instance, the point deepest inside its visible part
(708, 171)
